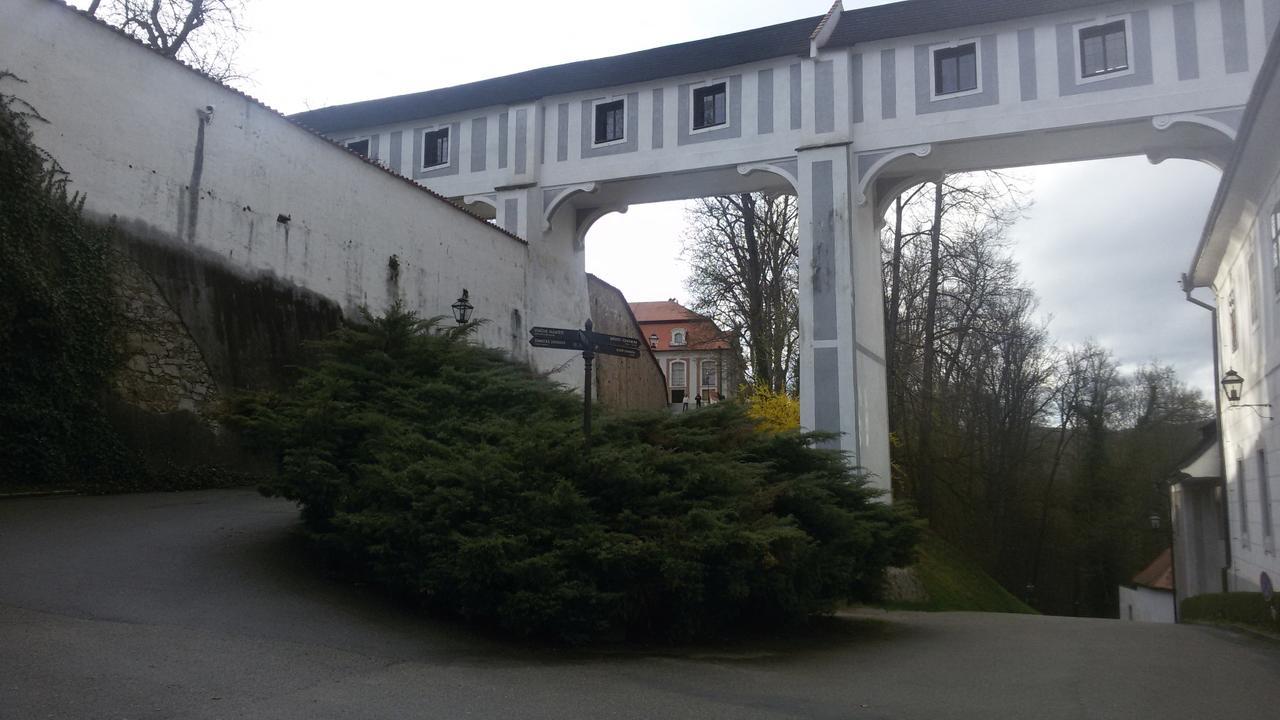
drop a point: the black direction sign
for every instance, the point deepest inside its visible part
(619, 351)
(558, 343)
(555, 333)
(600, 339)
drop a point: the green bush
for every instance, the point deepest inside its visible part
(1238, 608)
(444, 471)
(57, 349)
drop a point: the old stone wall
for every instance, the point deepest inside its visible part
(623, 383)
(164, 370)
(195, 330)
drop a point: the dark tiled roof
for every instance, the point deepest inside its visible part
(914, 17)
(787, 39)
(791, 38)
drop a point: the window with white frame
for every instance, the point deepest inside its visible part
(1264, 501)
(1275, 249)
(435, 148)
(1242, 502)
(359, 146)
(679, 377)
(1104, 48)
(955, 69)
(710, 106)
(709, 375)
(1232, 323)
(610, 121)
(1255, 292)
(678, 336)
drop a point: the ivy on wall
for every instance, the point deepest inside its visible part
(57, 345)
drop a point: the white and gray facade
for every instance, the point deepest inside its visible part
(843, 110)
(1238, 262)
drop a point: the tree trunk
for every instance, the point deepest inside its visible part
(924, 474)
(760, 361)
(891, 322)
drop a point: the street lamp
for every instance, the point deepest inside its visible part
(462, 308)
(1231, 384)
(653, 341)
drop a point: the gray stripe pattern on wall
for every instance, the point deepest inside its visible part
(502, 141)
(824, 251)
(397, 148)
(522, 141)
(562, 132)
(658, 114)
(1185, 42)
(1235, 36)
(824, 96)
(796, 118)
(826, 395)
(855, 88)
(888, 84)
(764, 95)
(510, 215)
(1027, 64)
(479, 144)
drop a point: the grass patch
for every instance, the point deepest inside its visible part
(955, 582)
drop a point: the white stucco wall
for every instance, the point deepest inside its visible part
(1246, 274)
(1141, 604)
(124, 123)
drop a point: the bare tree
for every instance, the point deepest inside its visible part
(743, 254)
(201, 33)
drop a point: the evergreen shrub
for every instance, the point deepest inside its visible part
(444, 471)
(57, 348)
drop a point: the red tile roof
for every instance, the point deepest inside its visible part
(1159, 574)
(663, 311)
(661, 317)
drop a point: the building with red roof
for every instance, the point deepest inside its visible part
(699, 359)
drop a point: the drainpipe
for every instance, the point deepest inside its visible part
(1222, 450)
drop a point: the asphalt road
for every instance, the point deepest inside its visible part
(205, 605)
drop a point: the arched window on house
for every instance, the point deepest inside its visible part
(678, 336)
(678, 380)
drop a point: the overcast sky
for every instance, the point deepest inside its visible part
(1103, 245)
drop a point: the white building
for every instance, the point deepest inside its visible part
(1238, 260)
(844, 110)
(1149, 596)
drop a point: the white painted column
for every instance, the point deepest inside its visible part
(842, 373)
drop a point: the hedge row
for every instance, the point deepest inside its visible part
(1242, 608)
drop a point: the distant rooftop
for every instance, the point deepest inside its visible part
(900, 19)
(663, 311)
(1159, 574)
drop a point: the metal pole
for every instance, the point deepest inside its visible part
(588, 358)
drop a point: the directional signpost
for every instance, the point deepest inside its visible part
(590, 343)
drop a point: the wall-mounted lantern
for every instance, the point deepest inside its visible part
(653, 341)
(1231, 384)
(462, 308)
